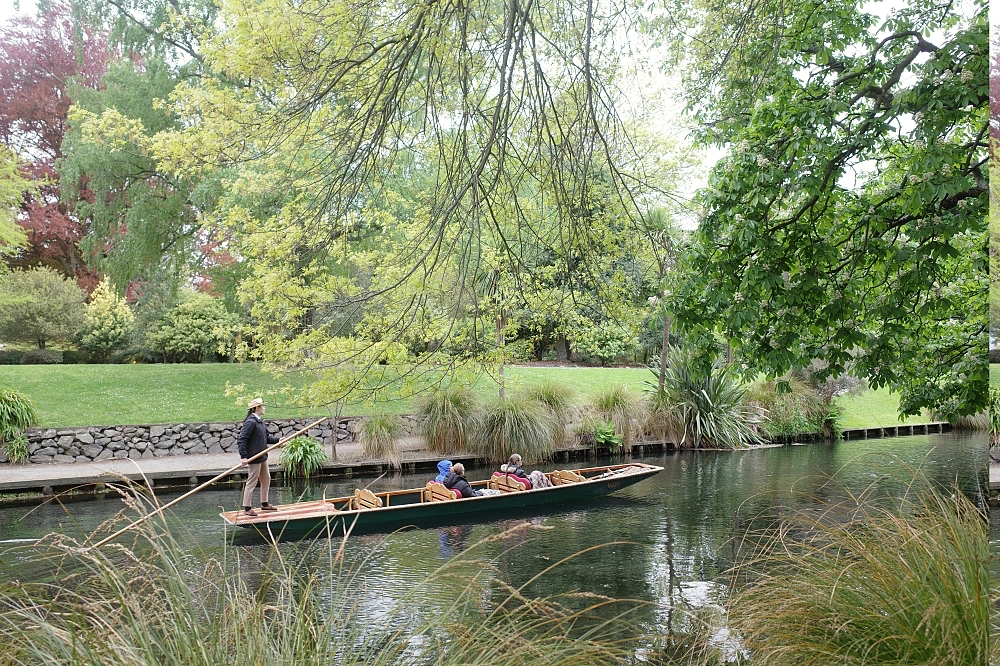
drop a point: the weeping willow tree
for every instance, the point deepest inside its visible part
(396, 177)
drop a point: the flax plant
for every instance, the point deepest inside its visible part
(865, 584)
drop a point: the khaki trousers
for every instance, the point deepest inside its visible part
(258, 472)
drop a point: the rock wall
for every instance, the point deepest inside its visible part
(86, 444)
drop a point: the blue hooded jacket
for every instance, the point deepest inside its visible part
(443, 468)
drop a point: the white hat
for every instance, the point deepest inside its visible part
(255, 403)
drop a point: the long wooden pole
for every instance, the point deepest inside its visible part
(205, 485)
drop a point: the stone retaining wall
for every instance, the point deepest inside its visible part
(86, 444)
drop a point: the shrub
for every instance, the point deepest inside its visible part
(377, 437)
(40, 305)
(605, 342)
(195, 328)
(559, 399)
(877, 586)
(12, 357)
(792, 407)
(515, 424)
(451, 418)
(107, 324)
(42, 357)
(993, 407)
(702, 404)
(17, 414)
(302, 456)
(625, 408)
(136, 355)
(73, 357)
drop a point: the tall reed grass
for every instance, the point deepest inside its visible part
(142, 603)
(378, 438)
(451, 418)
(516, 424)
(17, 414)
(857, 584)
(626, 409)
(796, 410)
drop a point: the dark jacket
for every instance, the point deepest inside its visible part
(254, 438)
(456, 482)
(516, 470)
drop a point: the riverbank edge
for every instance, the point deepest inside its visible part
(79, 481)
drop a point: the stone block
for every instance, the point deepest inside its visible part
(134, 455)
(198, 449)
(73, 451)
(177, 451)
(158, 453)
(315, 433)
(110, 432)
(64, 433)
(49, 434)
(156, 431)
(184, 432)
(85, 438)
(92, 450)
(63, 459)
(128, 431)
(40, 459)
(227, 441)
(66, 441)
(104, 455)
(116, 445)
(33, 446)
(164, 444)
(4, 458)
(199, 427)
(141, 446)
(148, 453)
(82, 459)
(121, 454)
(341, 435)
(216, 448)
(216, 427)
(46, 451)
(187, 444)
(103, 441)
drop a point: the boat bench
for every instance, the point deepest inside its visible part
(505, 483)
(437, 492)
(562, 476)
(365, 499)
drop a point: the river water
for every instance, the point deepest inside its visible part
(673, 535)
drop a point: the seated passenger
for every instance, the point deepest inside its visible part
(456, 481)
(443, 468)
(539, 480)
(514, 467)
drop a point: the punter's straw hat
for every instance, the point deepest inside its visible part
(255, 403)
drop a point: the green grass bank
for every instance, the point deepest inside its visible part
(68, 395)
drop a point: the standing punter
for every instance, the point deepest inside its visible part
(252, 440)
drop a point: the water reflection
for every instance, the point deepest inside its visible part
(667, 541)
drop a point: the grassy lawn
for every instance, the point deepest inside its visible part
(873, 409)
(122, 394)
(994, 374)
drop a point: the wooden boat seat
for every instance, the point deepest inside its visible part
(561, 476)
(365, 499)
(436, 492)
(506, 484)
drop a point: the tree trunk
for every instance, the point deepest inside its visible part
(502, 341)
(663, 350)
(41, 342)
(562, 348)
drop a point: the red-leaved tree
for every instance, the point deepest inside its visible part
(38, 56)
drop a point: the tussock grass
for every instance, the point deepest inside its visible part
(17, 413)
(858, 584)
(378, 438)
(141, 603)
(559, 399)
(516, 424)
(451, 418)
(796, 411)
(626, 409)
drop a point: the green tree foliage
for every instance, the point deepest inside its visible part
(108, 324)
(17, 414)
(847, 222)
(13, 185)
(196, 328)
(40, 306)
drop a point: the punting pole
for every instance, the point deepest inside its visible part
(205, 485)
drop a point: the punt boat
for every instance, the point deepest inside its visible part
(367, 512)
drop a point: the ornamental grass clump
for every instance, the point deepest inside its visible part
(515, 424)
(626, 409)
(993, 408)
(140, 602)
(303, 456)
(451, 419)
(378, 438)
(864, 584)
(702, 405)
(559, 400)
(17, 414)
(790, 405)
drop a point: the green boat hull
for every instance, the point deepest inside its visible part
(387, 519)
